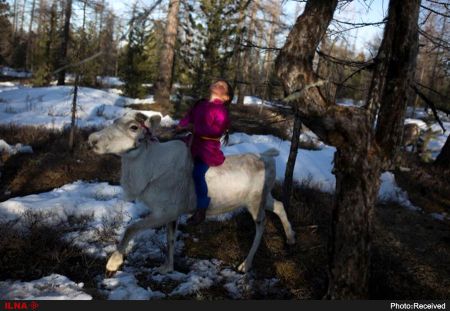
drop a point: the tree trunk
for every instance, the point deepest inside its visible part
(357, 159)
(163, 84)
(268, 65)
(23, 16)
(64, 43)
(400, 46)
(73, 124)
(243, 87)
(290, 165)
(443, 159)
(237, 49)
(15, 14)
(29, 61)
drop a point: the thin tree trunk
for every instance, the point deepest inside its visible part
(30, 37)
(268, 66)
(23, 16)
(48, 44)
(64, 43)
(402, 47)
(42, 5)
(237, 49)
(15, 13)
(243, 87)
(163, 84)
(290, 165)
(74, 114)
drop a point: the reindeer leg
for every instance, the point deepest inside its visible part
(277, 207)
(168, 265)
(149, 222)
(259, 216)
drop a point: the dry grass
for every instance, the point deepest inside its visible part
(52, 164)
(36, 250)
(428, 186)
(301, 268)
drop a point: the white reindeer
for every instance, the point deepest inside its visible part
(160, 176)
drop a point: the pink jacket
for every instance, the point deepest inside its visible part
(210, 120)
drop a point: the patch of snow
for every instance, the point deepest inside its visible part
(8, 86)
(110, 81)
(147, 100)
(52, 287)
(12, 150)
(10, 72)
(123, 286)
(114, 91)
(311, 166)
(421, 124)
(101, 202)
(349, 102)
(390, 191)
(440, 216)
(252, 100)
(51, 107)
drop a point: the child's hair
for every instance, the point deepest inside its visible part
(227, 105)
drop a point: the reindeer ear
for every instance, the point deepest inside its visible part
(155, 121)
(141, 118)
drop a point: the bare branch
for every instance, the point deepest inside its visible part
(430, 104)
(434, 11)
(344, 62)
(79, 63)
(435, 40)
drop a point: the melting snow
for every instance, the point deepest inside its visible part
(52, 287)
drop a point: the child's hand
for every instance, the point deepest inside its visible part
(179, 129)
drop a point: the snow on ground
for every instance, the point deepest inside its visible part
(52, 287)
(348, 102)
(103, 201)
(438, 136)
(123, 286)
(312, 166)
(421, 124)
(110, 81)
(12, 150)
(438, 140)
(51, 107)
(390, 191)
(10, 72)
(8, 86)
(252, 100)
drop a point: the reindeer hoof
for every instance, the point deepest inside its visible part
(164, 269)
(291, 240)
(114, 262)
(244, 267)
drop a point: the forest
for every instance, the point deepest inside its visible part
(354, 96)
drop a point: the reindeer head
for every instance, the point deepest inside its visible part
(125, 134)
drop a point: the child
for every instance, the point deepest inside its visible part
(208, 120)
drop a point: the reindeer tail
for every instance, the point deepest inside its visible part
(272, 152)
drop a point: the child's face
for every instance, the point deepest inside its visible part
(220, 89)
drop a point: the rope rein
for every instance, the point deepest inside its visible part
(149, 134)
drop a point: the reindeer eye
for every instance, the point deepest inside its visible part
(134, 128)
